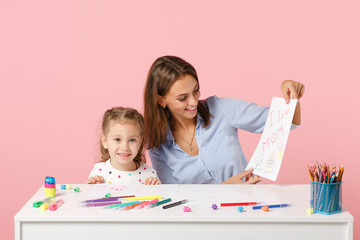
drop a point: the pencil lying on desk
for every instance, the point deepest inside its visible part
(131, 206)
(118, 197)
(143, 198)
(100, 200)
(120, 205)
(238, 204)
(158, 203)
(100, 204)
(175, 204)
(146, 203)
(271, 206)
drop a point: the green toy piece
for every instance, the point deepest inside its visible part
(38, 204)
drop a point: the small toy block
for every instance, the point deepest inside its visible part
(310, 211)
(44, 207)
(187, 209)
(265, 208)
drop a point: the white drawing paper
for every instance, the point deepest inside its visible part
(267, 158)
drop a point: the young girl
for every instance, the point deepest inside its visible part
(122, 150)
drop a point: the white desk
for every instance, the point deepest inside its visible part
(73, 222)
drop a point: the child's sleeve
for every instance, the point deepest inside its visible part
(155, 174)
(94, 171)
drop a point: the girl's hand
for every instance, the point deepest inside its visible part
(238, 178)
(152, 181)
(291, 89)
(95, 179)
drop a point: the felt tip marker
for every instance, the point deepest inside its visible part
(158, 203)
(238, 204)
(143, 198)
(120, 205)
(174, 204)
(100, 200)
(46, 200)
(118, 197)
(100, 204)
(127, 205)
(56, 205)
(271, 206)
(131, 206)
(146, 203)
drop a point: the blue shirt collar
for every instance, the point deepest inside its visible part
(169, 136)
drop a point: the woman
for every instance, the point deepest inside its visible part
(192, 141)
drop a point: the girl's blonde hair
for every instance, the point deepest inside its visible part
(121, 115)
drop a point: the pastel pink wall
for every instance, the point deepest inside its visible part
(63, 63)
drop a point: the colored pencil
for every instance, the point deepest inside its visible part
(147, 203)
(131, 206)
(175, 204)
(238, 204)
(271, 206)
(118, 197)
(100, 204)
(158, 203)
(143, 198)
(121, 204)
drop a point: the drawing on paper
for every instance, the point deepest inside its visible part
(270, 163)
(268, 155)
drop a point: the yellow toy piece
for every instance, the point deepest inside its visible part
(44, 207)
(50, 192)
(310, 211)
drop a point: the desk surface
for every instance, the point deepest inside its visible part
(200, 197)
(73, 222)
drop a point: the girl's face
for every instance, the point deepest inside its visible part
(182, 98)
(123, 142)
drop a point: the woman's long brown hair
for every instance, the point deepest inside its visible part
(164, 72)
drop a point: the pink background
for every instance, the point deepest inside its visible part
(63, 63)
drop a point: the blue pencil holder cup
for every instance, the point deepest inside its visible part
(326, 198)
